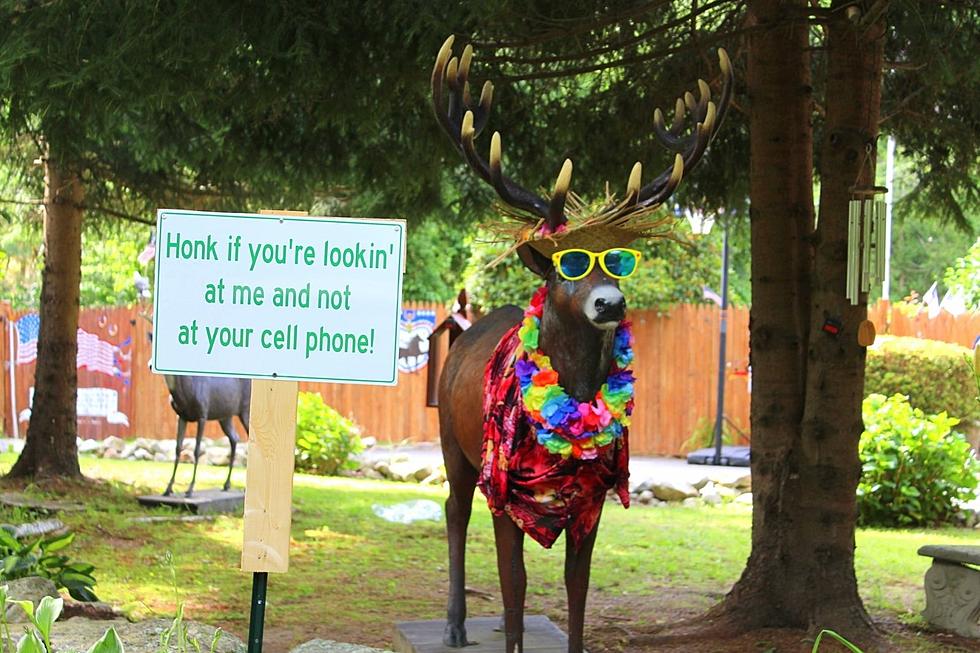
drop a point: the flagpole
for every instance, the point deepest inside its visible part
(719, 419)
(13, 379)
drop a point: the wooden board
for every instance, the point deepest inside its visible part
(540, 636)
(269, 476)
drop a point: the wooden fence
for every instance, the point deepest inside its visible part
(676, 366)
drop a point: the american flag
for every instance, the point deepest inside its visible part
(95, 353)
(28, 327)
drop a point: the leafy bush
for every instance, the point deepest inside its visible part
(325, 439)
(915, 468)
(41, 557)
(929, 372)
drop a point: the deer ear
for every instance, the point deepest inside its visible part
(534, 260)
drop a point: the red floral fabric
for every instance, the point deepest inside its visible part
(542, 492)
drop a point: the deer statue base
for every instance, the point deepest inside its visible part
(540, 634)
(202, 502)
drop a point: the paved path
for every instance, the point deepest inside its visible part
(641, 467)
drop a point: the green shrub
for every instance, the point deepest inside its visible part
(914, 466)
(929, 372)
(325, 439)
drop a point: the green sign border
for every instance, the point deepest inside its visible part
(379, 222)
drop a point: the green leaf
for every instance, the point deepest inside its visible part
(48, 611)
(57, 543)
(8, 541)
(26, 606)
(30, 643)
(108, 643)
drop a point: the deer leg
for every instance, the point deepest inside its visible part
(181, 429)
(229, 429)
(513, 579)
(462, 482)
(197, 454)
(578, 563)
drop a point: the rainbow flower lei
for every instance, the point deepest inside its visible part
(565, 425)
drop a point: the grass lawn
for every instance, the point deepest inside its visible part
(352, 574)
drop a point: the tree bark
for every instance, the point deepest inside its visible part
(807, 384)
(51, 450)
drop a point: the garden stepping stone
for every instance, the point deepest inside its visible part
(540, 636)
(19, 500)
(953, 588)
(330, 646)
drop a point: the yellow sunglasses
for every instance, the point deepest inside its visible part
(574, 264)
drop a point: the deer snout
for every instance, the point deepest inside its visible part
(605, 307)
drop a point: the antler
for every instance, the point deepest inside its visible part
(463, 121)
(707, 117)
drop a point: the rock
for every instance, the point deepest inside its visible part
(140, 637)
(645, 497)
(111, 453)
(218, 456)
(368, 472)
(161, 457)
(710, 493)
(93, 610)
(168, 447)
(743, 482)
(405, 471)
(369, 442)
(438, 477)
(744, 499)
(700, 484)
(673, 491)
(330, 646)
(89, 446)
(33, 589)
(691, 502)
(186, 456)
(146, 443)
(142, 454)
(113, 443)
(639, 485)
(39, 528)
(383, 467)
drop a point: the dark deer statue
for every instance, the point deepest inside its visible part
(578, 320)
(203, 398)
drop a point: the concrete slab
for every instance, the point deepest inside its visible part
(202, 502)
(540, 636)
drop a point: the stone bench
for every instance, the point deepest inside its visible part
(953, 588)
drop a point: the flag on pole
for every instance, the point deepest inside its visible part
(931, 300)
(149, 251)
(95, 354)
(953, 302)
(28, 328)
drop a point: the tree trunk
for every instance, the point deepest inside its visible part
(807, 384)
(51, 450)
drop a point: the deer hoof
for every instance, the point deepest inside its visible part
(168, 492)
(455, 636)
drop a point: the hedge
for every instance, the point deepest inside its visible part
(936, 376)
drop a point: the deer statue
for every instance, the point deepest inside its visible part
(534, 405)
(203, 398)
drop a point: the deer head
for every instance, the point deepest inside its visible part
(545, 229)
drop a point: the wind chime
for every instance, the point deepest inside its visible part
(865, 241)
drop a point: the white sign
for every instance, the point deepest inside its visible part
(284, 297)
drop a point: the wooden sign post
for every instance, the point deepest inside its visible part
(279, 297)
